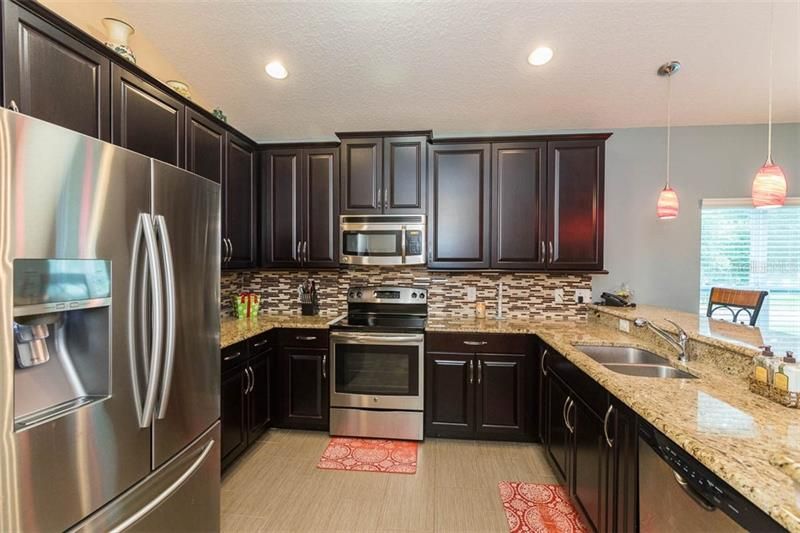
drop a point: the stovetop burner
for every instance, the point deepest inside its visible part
(388, 309)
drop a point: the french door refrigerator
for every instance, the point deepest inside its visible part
(109, 324)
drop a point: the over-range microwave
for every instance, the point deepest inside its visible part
(382, 239)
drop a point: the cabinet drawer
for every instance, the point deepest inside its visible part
(304, 338)
(587, 389)
(234, 355)
(478, 343)
(260, 343)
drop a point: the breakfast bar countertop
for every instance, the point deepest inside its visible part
(233, 330)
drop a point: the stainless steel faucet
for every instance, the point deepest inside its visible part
(677, 341)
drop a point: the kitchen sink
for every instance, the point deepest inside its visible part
(621, 354)
(632, 361)
(649, 371)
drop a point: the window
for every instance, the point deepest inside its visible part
(746, 248)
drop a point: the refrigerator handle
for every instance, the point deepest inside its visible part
(132, 297)
(169, 491)
(169, 284)
(157, 309)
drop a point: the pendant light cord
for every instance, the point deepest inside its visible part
(669, 119)
(771, 47)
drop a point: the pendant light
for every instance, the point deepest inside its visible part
(769, 185)
(668, 205)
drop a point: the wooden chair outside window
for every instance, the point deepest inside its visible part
(736, 302)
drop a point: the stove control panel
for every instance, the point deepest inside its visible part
(395, 295)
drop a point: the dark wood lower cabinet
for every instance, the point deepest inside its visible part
(232, 415)
(259, 398)
(484, 394)
(303, 380)
(590, 440)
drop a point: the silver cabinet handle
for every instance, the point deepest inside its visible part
(297, 252)
(609, 441)
(249, 380)
(260, 344)
(564, 411)
(476, 343)
(324, 364)
(471, 374)
(230, 244)
(169, 283)
(252, 379)
(157, 309)
(13, 106)
(232, 357)
(305, 251)
(306, 337)
(178, 483)
(550, 247)
(541, 362)
(570, 427)
(541, 247)
(480, 371)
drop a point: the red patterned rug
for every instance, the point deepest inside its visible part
(532, 507)
(370, 455)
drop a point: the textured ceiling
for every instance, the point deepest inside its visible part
(460, 67)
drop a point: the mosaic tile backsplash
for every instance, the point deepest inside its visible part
(525, 295)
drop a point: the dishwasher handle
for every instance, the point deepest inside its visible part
(693, 494)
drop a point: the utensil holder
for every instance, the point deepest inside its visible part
(309, 305)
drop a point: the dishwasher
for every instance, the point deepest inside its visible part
(677, 493)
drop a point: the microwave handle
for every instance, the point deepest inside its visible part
(403, 244)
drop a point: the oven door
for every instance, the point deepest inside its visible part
(377, 370)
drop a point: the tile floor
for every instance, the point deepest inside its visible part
(276, 486)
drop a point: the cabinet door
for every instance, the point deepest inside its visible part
(623, 484)
(591, 466)
(232, 415)
(404, 174)
(53, 77)
(362, 166)
(557, 442)
(305, 396)
(504, 396)
(320, 213)
(259, 399)
(575, 176)
(239, 195)
(449, 395)
(145, 119)
(205, 147)
(458, 192)
(281, 207)
(518, 205)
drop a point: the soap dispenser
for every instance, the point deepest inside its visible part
(763, 370)
(787, 375)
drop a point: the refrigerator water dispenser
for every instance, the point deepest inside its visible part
(61, 337)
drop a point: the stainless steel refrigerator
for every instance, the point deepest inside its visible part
(109, 324)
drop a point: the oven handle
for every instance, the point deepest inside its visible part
(359, 338)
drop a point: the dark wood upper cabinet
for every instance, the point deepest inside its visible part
(404, 173)
(205, 147)
(52, 76)
(320, 194)
(362, 166)
(145, 119)
(459, 191)
(239, 195)
(575, 204)
(519, 174)
(281, 207)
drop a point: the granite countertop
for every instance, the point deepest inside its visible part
(233, 330)
(745, 439)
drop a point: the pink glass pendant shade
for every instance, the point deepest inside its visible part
(769, 186)
(668, 205)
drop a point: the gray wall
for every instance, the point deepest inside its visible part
(660, 260)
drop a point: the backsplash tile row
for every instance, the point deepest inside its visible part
(525, 295)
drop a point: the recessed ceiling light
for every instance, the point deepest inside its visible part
(540, 56)
(276, 70)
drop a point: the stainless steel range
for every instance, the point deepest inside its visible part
(377, 364)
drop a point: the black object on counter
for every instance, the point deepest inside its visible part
(308, 297)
